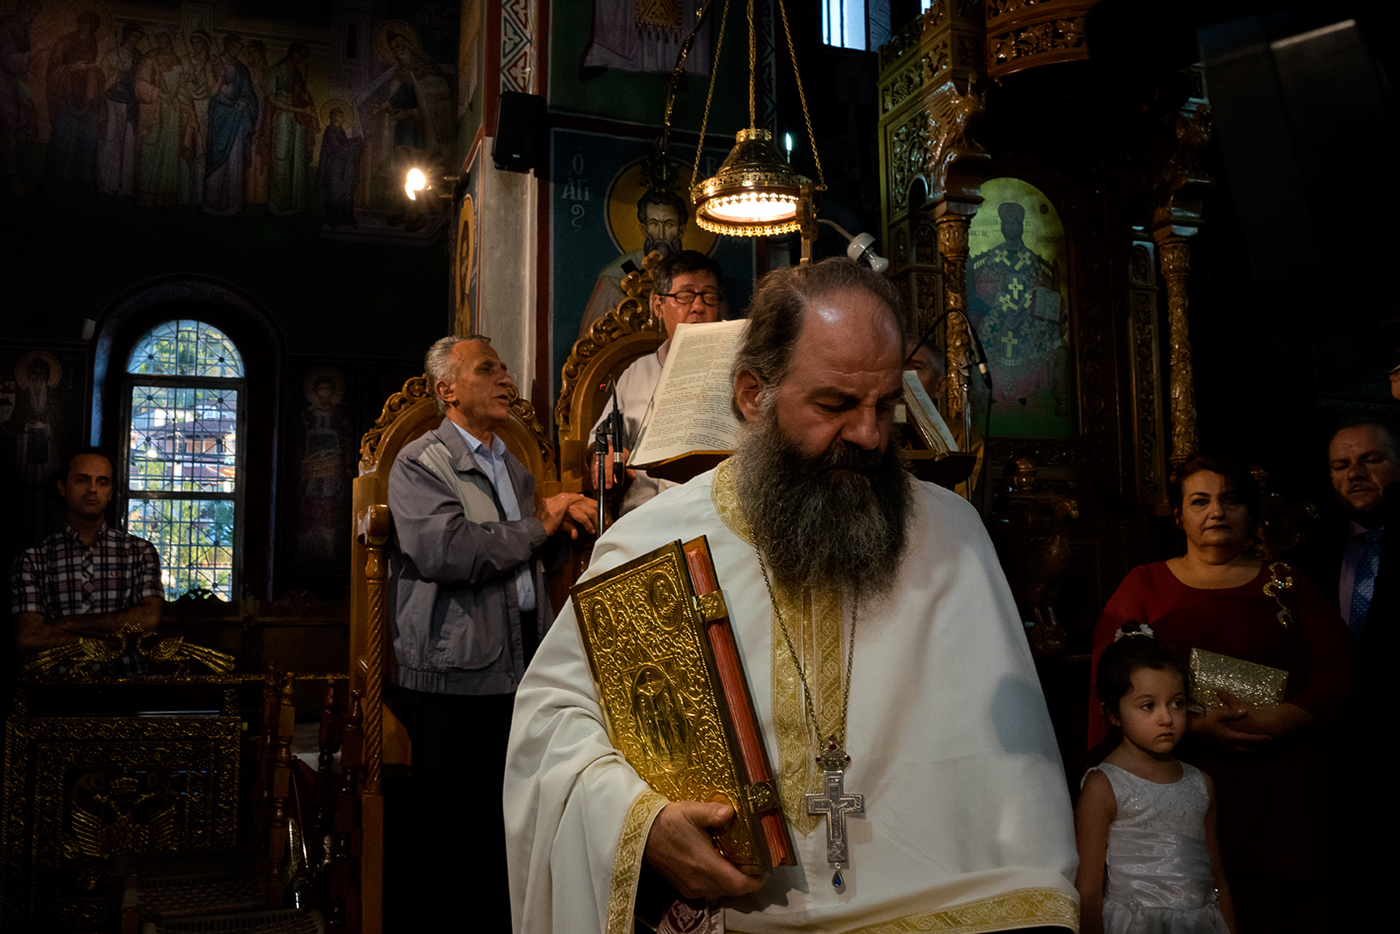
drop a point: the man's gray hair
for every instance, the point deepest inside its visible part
(439, 365)
(1390, 435)
(777, 311)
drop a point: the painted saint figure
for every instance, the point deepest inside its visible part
(662, 217)
(260, 154)
(419, 125)
(200, 81)
(233, 117)
(116, 150)
(326, 468)
(33, 431)
(294, 124)
(159, 79)
(1013, 299)
(340, 169)
(16, 105)
(75, 87)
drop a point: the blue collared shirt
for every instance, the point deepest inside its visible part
(492, 462)
(1352, 554)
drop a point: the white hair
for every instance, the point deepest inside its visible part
(440, 367)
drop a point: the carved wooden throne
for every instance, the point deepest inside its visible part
(625, 333)
(407, 415)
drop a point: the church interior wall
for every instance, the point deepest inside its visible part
(349, 292)
(352, 308)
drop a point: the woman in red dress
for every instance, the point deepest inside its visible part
(1271, 763)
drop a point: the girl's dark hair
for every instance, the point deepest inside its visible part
(1239, 475)
(1122, 658)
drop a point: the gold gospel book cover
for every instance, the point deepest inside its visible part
(675, 698)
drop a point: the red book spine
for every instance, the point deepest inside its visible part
(736, 696)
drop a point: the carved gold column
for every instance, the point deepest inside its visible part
(929, 165)
(952, 247)
(1175, 253)
(954, 169)
(1180, 189)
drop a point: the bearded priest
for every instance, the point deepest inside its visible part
(887, 663)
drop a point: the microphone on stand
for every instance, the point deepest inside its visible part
(979, 356)
(609, 436)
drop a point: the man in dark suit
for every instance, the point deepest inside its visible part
(1358, 565)
(1363, 458)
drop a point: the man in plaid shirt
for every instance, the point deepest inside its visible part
(88, 580)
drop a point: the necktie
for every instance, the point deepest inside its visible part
(1365, 586)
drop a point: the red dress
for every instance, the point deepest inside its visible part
(1276, 805)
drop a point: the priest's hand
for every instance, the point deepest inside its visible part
(679, 848)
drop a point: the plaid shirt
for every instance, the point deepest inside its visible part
(61, 576)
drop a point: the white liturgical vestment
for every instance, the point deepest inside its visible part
(967, 824)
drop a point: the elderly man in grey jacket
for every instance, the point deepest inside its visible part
(470, 605)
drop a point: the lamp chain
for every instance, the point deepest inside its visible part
(709, 94)
(676, 73)
(752, 64)
(801, 96)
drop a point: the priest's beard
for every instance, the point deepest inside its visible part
(840, 517)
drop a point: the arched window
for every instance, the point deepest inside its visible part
(183, 458)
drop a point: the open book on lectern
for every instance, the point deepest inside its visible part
(689, 427)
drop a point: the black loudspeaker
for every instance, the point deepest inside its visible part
(520, 120)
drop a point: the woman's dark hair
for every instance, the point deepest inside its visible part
(1127, 655)
(1239, 475)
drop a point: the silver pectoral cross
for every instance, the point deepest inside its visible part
(835, 804)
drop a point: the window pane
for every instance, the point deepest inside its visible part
(843, 23)
(183, 439)
(194, 538)
(185, 348)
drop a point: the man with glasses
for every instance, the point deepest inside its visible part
(685, 289)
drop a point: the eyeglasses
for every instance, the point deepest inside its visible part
(686, 297)
(1395, 374)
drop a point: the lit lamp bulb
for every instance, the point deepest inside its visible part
(754, 193)
(417, 181)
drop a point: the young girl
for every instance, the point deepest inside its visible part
(1144, 813)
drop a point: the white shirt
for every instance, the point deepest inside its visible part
(492, 462)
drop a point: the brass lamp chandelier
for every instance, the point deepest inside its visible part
(755, 192)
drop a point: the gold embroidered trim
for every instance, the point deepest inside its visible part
(627, 862)
(816, 634)
(725, 498)
(1015, 909)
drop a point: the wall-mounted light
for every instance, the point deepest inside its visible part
(426, 184)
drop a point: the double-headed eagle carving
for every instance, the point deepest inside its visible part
(81, 658)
